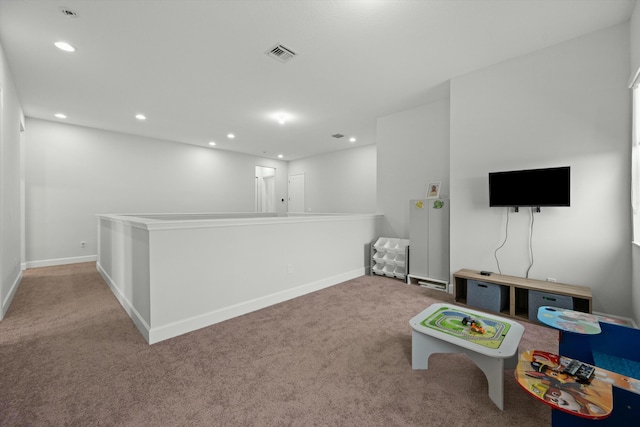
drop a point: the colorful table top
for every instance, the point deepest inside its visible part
(569, 320)
(544, 376)
(500, 337)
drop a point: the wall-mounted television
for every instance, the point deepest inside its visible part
(532, 187)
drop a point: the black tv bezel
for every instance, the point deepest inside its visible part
(502, 205)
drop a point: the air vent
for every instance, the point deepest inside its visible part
(68, 12)
(338, 135)
(281, 53)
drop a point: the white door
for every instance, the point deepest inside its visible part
(265, 191)
(296, 193)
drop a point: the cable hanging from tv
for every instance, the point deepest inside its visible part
(506, 237)
(531, 242)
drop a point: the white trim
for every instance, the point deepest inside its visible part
(635, 79)
(60, 261)
(147, 223)
(7, 301)
(137, 319)
(174, 329)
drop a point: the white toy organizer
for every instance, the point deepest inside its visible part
(389, 257)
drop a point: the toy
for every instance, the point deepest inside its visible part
(474, 325)
(571, 373)
(558, 381)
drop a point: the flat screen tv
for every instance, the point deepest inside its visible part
(533, 187)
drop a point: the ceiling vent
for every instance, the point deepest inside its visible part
(281, 53)
(68, 12)
(338, 135)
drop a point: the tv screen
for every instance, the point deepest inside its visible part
(533, 187)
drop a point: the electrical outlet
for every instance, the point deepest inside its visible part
(83, 244)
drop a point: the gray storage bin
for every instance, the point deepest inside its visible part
(538, 299)
(487, 296)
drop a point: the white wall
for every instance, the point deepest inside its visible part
(634, 31)
(10, 194)
(343, 181)
(564, 105)
(413, 150)
(226, 269)
(73, 173)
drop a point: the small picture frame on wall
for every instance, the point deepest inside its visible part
(433, 190)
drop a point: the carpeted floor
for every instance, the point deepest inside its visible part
(69, 355)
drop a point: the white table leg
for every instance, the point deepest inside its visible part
(512, 362)
(493, 368)
(423, 346)
(420, 350)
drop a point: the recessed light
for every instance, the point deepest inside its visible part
(230, 136)
(141, 117)
(65, 46)
(280, 156)
(212, 143)
(60, 116)
(281, 117)
(352, 139)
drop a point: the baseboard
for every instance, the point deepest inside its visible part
(60, 261)
(161, 333)
(9, 298)
(137, 319)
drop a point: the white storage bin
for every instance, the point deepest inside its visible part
(380, 243)
(401, 246)
(391, 244)
(401, 260)
(377, 269)
(378, 256)
(389, 258)
(389, 270)
(400, 271)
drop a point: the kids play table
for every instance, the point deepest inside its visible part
(544, 376)
(612, 398)
(445, 328)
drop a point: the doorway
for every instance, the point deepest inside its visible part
(265, 192)
(296, 193)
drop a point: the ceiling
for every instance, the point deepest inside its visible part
(198, 69)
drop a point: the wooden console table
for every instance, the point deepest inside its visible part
(519, 287)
